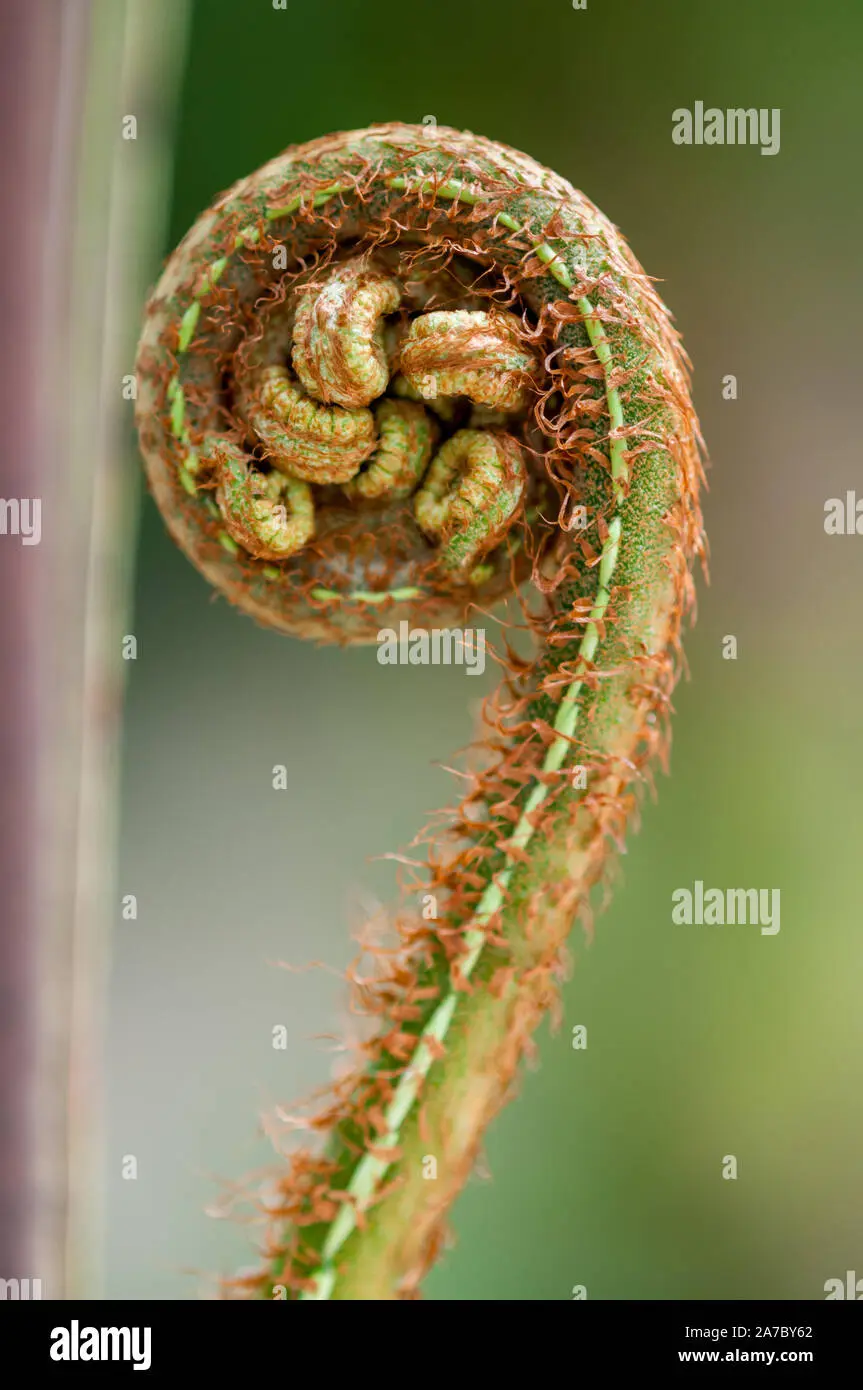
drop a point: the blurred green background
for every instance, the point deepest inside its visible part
(702, 1042)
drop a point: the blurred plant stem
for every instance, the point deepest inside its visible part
(83, 248)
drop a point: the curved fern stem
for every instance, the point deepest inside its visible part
(575, 483)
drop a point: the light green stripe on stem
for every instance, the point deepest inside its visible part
(316, 201)
(366, 596)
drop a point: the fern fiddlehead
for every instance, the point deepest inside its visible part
(405, 372)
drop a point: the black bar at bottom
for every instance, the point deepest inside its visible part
(263, 1342)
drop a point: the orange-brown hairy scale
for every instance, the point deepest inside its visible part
(603, 422)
